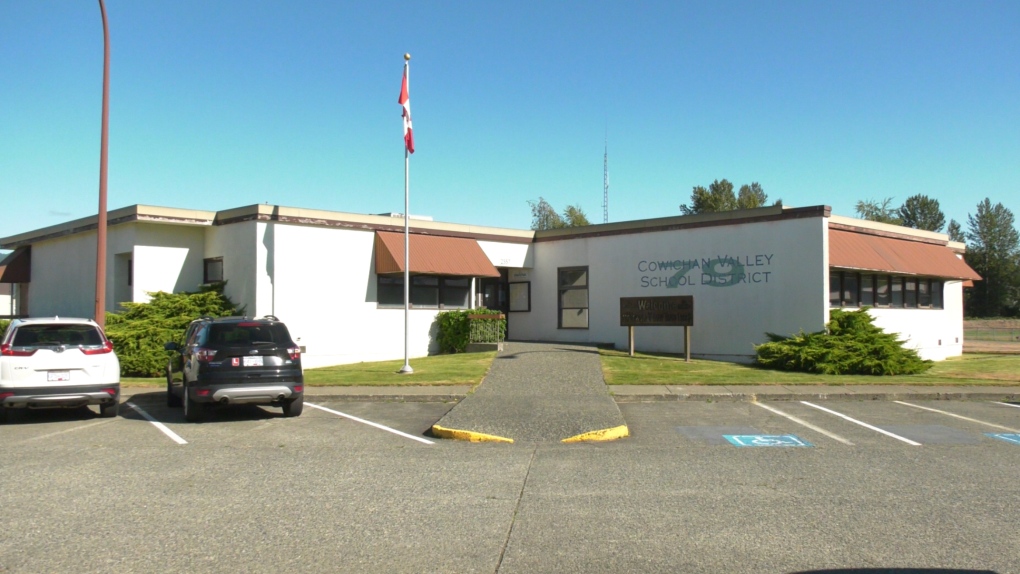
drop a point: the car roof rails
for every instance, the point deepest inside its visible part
(270, 317)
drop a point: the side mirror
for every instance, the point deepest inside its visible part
(171, 346)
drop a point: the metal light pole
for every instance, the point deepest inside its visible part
(100, 314)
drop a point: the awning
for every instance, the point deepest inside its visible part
(849, 250)
(432, 254)
(17, 266)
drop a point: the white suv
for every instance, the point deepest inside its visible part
(58, 362)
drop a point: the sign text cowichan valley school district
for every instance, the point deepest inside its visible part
(673, 311)
(720, 271)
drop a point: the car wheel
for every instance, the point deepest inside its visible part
(172, 400)
(293, 407)
(110, 409)
(192, 411)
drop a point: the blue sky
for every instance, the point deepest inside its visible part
(228, 103)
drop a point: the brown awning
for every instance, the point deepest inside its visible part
(849, 250)
(17, 266)
(432, 254)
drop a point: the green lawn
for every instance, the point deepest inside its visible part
(661, 369)
(458, 369)
(646, 369)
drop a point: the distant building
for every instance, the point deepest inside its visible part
(337, 278)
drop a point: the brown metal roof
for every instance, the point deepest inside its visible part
(17, 266)
(849, 250)
(432, 254)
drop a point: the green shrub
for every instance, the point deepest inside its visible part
(455, 328)
(851, 344)
(139, 333)
(3, 326)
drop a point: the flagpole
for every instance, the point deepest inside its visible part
(406, 369)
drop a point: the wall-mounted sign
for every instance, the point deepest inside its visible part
(673, 311)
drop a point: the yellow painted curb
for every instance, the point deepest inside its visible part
(600, 435)
(467, 435)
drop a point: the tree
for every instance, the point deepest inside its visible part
(544, 216)
(955, 232)
(922, 212)
(573, 216)
(751, 196)
(718, 197)
(993, 246)
(872, 210)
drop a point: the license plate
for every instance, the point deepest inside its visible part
(255, 361)
(55, 376)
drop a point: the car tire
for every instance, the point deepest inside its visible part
(192, 411)
(172, 400)
(293, 407)
(110, 410)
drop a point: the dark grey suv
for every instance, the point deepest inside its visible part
(235, 360)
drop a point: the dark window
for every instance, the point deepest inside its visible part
(881, 290)
(850, 289)
(245, 334)
(867, 290)
(936, 294)
(573, 297)
(910, 292)
(213, 270)
(427, 291)
(924, 293)
(897, 292)
(835, 289)
(131, 272)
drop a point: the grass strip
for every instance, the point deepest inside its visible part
(668, 369)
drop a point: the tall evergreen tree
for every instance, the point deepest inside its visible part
(543, 216)
(881, 212)
(993, 246)
(956, 232)
(922, 212)
(751, 196)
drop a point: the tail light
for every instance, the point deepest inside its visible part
(294, 352)
(106, 347)
(11, 351)
(204, 355)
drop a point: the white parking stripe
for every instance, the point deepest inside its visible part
(371, 424)
(817, 429)
(1007, 404)
(48, 435)
(961, 417)
(173, 436)
(863, 424)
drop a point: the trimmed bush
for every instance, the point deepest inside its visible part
(139, 333)
(455, 328)
(851, 344)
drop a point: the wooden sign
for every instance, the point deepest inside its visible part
(673, 311)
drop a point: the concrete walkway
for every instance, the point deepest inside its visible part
(538, 392)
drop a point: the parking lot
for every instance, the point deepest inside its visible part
(782, 486)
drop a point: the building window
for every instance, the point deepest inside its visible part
(835, 290)
(910, 293)
(936, 294)
(881, 290)
(573, 297)
(427, 291)
(212, 270)
(848, 289)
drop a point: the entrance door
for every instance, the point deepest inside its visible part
(496, 294)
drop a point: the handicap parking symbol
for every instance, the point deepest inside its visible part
(1012, 438)
(765, 440)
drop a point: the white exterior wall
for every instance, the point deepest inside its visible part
(237, 244)
(325, 290)
(784, 291)
(6, 299)
(936, 334)
(167, 258)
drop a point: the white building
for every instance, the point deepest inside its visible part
(336, 278)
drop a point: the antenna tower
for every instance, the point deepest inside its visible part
(605, 184)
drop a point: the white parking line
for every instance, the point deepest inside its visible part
(48, 435)
(863, 424)
(1007, 404)
(961, 417)
(818, 429)
(173, 436)
(371, 424)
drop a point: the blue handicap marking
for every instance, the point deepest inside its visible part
(765, 440)
(1008, 437)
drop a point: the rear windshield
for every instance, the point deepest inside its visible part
(56, 334)
(246, 334)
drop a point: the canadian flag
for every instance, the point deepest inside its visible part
(406, 103)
